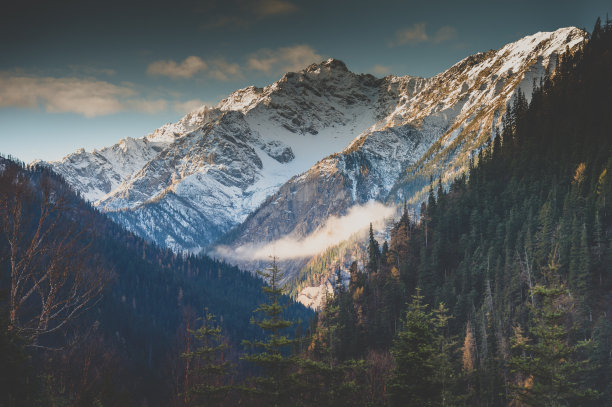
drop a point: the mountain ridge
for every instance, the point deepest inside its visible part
(237, 162)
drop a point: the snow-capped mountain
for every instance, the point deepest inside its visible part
(278, 160)
(206, 173)
(438, 126)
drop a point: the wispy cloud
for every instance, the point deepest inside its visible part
(186, 69)
(88, 97)
(191, 66)
(334, 230)
(446, 33)
(222, 70)
(266, 8)
(380, 70)
(145, 105)
(417, 34)
(267, 61)
(411, 35)
(190, 105)
(283, 59)
(242, 13)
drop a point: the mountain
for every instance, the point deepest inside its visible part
(281, 159)
(430, 133)
(515, 257)
(187, 183)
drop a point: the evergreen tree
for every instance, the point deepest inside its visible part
(373, 253)
(601, 361)
(548, 365)
(424, 371)
(277, 381)
(209, 370)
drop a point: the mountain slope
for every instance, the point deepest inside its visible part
(434, 131)
(523, 241)
(217, 165)
(283, 158)
(130, 334)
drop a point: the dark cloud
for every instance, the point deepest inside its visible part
(242, 14)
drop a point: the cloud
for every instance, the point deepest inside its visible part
(189, 105)
(88, 97)
(411, 35)
(445, 33)
(380, 70)
(268, 61)
(222, 70)
(218, 69)
(242, 13)
(267, 8)
(333, 231)
(146, 106)
(417, 34)
(283, 59)
(186, 69)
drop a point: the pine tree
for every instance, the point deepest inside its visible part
(548, 366)
(209, 370)
(373, 253)
(424, 371)
(274, 386)
(601, 360)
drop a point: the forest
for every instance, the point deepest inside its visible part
(501, 293)
(498, 294)
(94, 315)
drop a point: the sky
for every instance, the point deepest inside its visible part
(85, 74)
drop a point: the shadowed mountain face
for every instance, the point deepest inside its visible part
(280, 160)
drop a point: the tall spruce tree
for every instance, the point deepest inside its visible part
(209, 370)
(373, 253)
(424, 371)
(548, 365)
(275, 385)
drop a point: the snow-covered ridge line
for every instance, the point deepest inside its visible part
(437, 122)
(188, 182)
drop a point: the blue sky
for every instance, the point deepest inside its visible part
(80, 73)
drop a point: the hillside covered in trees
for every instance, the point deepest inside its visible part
(507, 274)
(91, 313)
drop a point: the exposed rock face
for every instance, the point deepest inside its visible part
(279, 160)
(187, 183)
(433, 128)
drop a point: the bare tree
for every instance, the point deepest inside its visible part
(52, 276)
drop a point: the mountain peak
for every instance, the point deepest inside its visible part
(221, 164)
(331, 64)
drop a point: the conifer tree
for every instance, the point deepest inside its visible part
(601, 360)
(373, 252)
(274, 386)
(424, 370)
(209, 368)
(546, 362)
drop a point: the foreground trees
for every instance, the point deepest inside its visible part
(207, 368)
(52, 278)
(549, 363)
(424, 374)
(276, 384)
